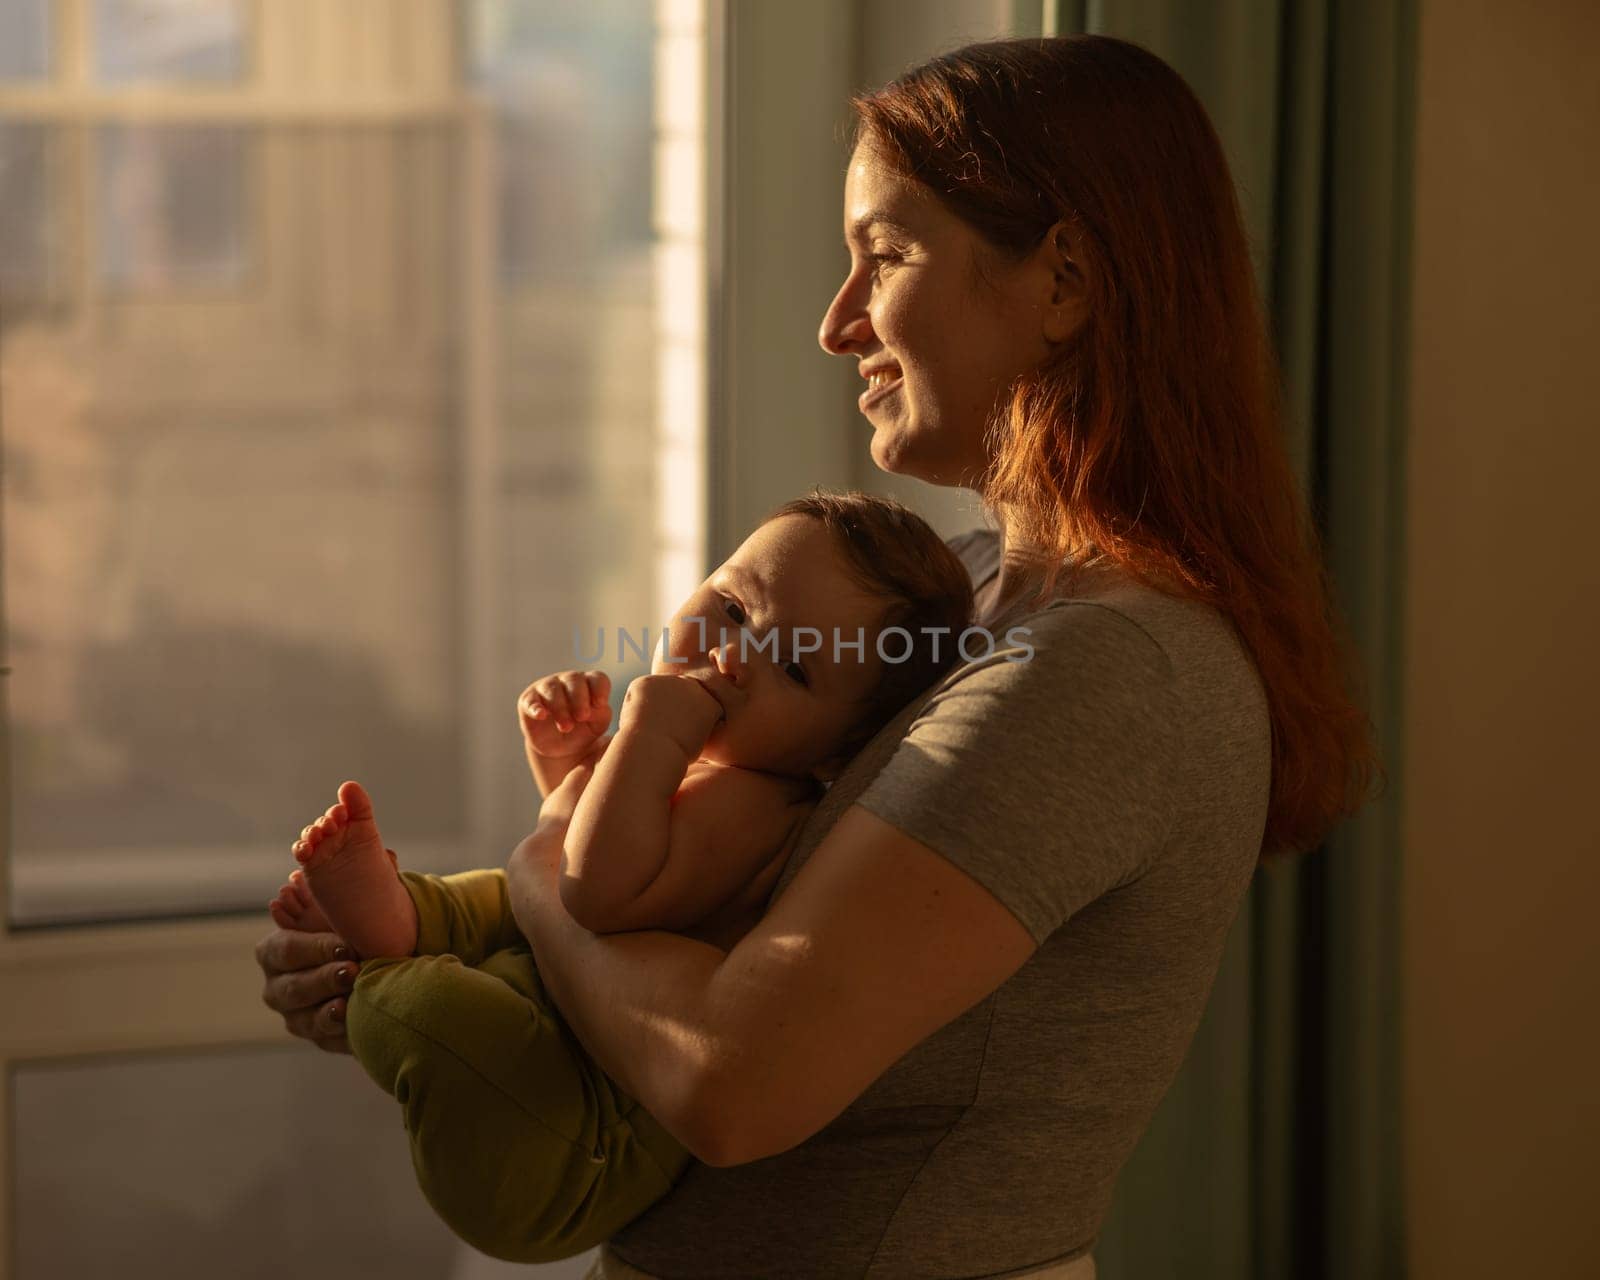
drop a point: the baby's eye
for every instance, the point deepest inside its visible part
(734, 611)
(796, 672)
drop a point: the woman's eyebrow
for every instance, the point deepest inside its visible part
(876, 217)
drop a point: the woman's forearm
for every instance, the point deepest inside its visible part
(643, 1004)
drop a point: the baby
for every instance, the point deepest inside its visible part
(774, 675)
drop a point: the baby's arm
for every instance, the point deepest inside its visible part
(640, 852)
(728, 835)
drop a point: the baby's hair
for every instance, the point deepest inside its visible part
(891, 551)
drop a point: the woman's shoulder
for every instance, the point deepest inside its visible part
(1105, 608)
(1109, 613)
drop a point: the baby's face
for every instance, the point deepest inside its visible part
(787, 701)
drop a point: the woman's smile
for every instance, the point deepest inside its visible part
(879, 385)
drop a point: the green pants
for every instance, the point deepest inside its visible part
(524, 1147)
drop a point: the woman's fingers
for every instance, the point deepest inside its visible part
(307, 976)
(309, 989)
(323, 1026)
(303, 969)
(285, 950)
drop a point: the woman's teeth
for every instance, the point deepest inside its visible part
(879, 380)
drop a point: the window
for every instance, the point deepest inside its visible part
(331, 340)
(336, 388)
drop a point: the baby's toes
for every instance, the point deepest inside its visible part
(281, 914)
(308, 913)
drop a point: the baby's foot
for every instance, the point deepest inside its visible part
(353, 878)
(295, 908)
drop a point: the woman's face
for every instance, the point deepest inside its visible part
(939, 344)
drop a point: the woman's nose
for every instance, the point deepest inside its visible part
(845, 327)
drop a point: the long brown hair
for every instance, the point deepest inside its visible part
(1153, 440)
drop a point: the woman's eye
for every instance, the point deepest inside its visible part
(881, 260)
(734, 612)
(795, 672)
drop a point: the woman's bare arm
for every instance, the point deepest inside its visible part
(652, 969)
(877, 943)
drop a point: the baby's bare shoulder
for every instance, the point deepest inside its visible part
(723, 784)
(756, 811)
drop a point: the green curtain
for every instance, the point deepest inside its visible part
(1277, 1153)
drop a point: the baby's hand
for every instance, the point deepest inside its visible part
(562, 715)
(680, 706)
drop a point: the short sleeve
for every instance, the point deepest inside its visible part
(1044, 770)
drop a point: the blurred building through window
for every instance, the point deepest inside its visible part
(330, 347)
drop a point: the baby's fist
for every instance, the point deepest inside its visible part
(681, 706)
(563, 714)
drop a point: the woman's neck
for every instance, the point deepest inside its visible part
(1017, 570)
(1021, 575)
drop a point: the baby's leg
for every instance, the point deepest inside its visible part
(522, 1145)
(353, 878)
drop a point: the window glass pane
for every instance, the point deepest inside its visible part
(172, 205)
(568, 83)
(233, 546)
(24, 39)
(221, 1164)
(299, 484)
(168, 40)
(26, 251)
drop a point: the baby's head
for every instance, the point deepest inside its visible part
(773, 631)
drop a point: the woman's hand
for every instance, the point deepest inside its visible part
(307, 977)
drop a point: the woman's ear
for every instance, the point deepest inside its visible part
(1061, 269)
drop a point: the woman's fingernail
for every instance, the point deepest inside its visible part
(337, 1013)
(342, 953)
(347, 978)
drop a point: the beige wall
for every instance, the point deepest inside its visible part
(1503, 698)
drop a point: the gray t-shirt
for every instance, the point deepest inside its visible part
(1111, 791)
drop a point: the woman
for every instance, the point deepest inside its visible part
(981, 969)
